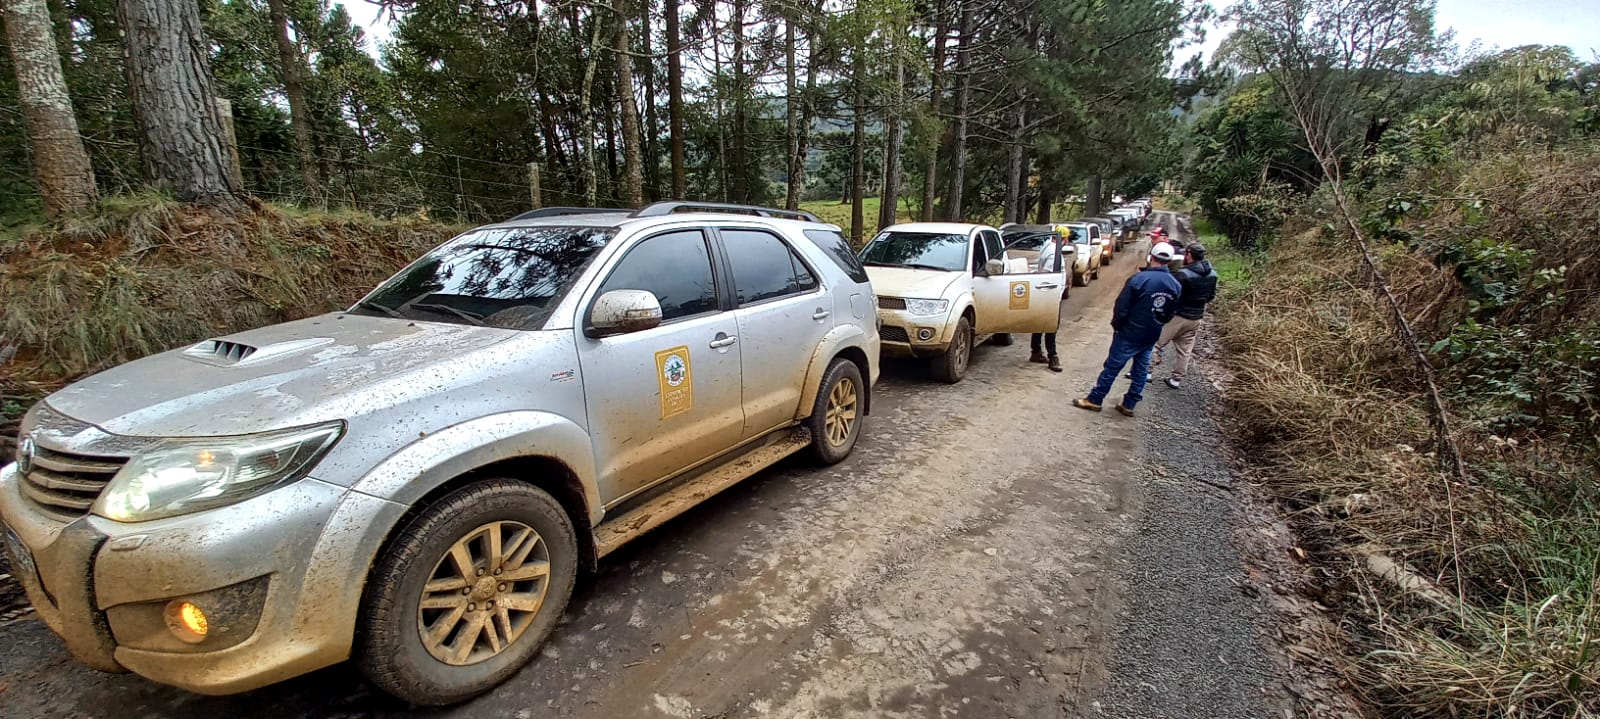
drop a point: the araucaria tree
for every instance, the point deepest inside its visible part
(66, 179)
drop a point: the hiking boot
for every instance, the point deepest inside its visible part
(1124, 410)
(1084, 403)
(1037, 356)
(1175, 384)
(1055, 364)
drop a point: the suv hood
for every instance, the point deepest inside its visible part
(283, 375)
(906, 282)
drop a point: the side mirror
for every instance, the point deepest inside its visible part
(995, 267)
(622, 311)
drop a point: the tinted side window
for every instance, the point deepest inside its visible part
(676, 267)
(838, 249)
(763, 266)
(992, 244)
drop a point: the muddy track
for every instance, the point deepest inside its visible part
(967, 561)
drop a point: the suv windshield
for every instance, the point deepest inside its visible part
(500, 277)
(941, 251)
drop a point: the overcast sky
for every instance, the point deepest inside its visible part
(1491, 23)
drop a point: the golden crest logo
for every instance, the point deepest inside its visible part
(676, 381)
(1019, 295)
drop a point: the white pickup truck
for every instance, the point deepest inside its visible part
(942, 286)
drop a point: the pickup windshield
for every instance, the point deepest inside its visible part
(946, 252)
(500, 277)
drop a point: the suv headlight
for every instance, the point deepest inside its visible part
(179, 476)
(927, 307)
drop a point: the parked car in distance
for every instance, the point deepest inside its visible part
(942, 286)
(417, 482)
(1032, 242)
(1112, 228)
(1089, 241)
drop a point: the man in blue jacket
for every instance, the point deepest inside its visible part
(1147, 302)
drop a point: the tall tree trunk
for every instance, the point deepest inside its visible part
(890, 197)
(633, 152)
(66, 179)
(174, 103)
(930, 169)
(652, 123)
(858, 171)
(1091, 196)
(807, 108)
(1047, 195)
(741, 178)
(591, 182)
(299, 114)
(791, 198)
(675, 98)
(1015, 165)
(958, 148)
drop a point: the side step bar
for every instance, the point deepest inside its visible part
(613, 533)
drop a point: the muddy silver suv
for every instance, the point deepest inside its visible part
(416, 482)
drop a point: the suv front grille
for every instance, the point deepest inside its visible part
(891, 333)
(65, 485)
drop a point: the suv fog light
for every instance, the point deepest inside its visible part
(187, 621)
(924, 334)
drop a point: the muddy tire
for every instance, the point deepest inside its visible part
(465, 592)
(1095, 275)
(1001, 340)
(1080, 279)
(952, 366)
(835, 421)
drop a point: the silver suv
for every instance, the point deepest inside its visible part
(417, 482)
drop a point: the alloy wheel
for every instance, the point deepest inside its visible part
(841, 416)
(484, 593)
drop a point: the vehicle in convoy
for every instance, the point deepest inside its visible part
(1134, 218)
(1090, 243)
(943, 286)
(1031, 242)
(416, 482)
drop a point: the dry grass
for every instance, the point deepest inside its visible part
(1328, 408)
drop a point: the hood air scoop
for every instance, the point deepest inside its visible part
(226, 353)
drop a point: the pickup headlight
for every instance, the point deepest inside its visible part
(179, 476)
(927, 307)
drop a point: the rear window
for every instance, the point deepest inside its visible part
(834, 244)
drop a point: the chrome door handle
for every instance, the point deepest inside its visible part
(820, 314)
(1047, 286)
(717, 344)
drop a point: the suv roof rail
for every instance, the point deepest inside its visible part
(563, 211)
(657, 209)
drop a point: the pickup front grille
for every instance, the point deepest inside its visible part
(65, 485)
(891, 333)
(891, 303)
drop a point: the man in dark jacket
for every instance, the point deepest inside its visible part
(1199, 281)
(1144, 307)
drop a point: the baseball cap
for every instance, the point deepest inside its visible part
(1161, 251)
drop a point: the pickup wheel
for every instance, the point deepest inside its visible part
(951, 367)
(835, 420)
(465, 592)
(1080, 279)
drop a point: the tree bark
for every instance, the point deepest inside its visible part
(66, 178)
(958, 148)
(591, 182)
(807, 108)
(930, 170)
(299, 113)
(169, 82)
(633, 152)
(1015, 164)
(858, 170)
(739, 163)
(791, 198)
(1047, 196)
(675, 97)
(890, 196)
(652, 124)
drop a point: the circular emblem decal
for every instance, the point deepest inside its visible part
(1160, 301)
(25, 452)
(674, 370)
(1019, 289)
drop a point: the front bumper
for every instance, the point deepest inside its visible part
(906, 335)
(286, 567)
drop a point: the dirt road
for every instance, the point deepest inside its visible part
(974, 558)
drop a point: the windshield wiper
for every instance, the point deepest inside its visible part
(936, 268)
(875, 263)
(369, 305)
(474, 318)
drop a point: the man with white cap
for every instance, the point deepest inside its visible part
(1147, 302)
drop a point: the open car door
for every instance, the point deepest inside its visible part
(1028, 301)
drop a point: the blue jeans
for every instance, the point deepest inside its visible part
(1123, 350)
